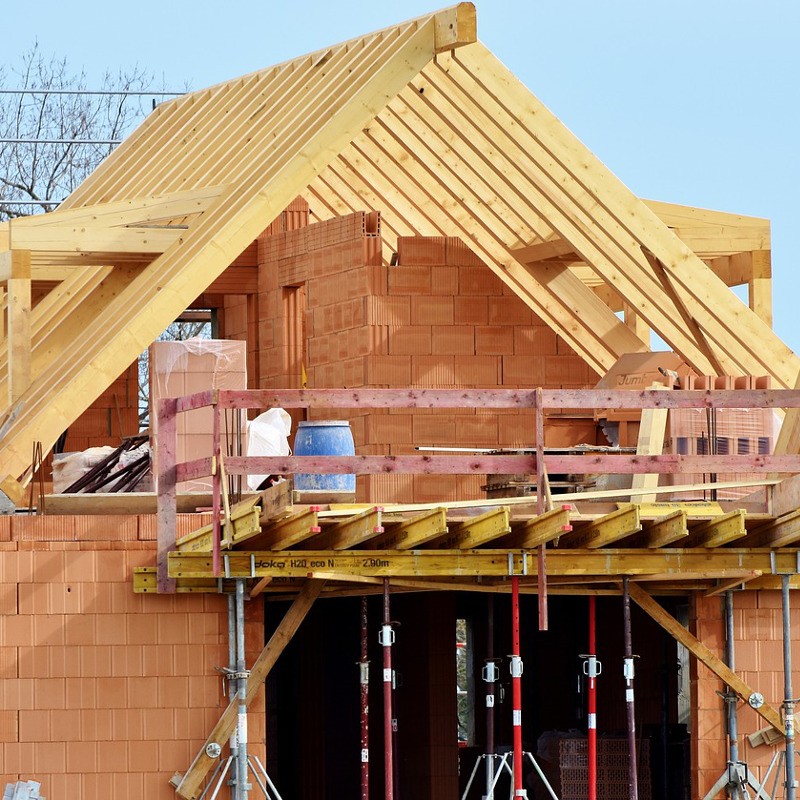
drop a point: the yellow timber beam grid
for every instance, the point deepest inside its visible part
(446, 142)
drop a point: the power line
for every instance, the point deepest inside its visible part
(61, 141)
(107, 92)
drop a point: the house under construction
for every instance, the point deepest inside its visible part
(393, 238)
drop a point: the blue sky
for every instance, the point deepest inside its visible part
(691, 101)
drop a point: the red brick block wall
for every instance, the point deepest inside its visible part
(330, 309)
(758, 631)
(103, 692)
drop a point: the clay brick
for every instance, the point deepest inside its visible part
(494, 340)
(65, 725)
(17, 758)
(47, 565)
(523, 371)
(158, 724)
(534, 340)
(173, 755)
(453, 339)
(173, 692)
(157, 659)
(421, 250)
(434, 430)
(82, 758)
(142, 755)
(434, 310)
(81, 693)
(141, 629)
(476, 431)
(479, 280)
(49, 757)
(389, 310)
(18, 630)
(8, 662)
(49, 693)
(33, 726)
(409, 280)
(190, 723)
(43, 529)
(389, 429)
(80, 566)
(33, 598)
(9, 725)
(97, 724)
(5, 528)
(100, 528)
(479, 371)
(143, 692)
(111, 692)
(113, 756)
(509, 310)
(95, 660)
(444, 280)
(432, 371)
(460, 254)
(128, 724)
(388, 370)
(410, 340)
(471, 310)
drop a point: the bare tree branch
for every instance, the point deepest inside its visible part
(41, 171)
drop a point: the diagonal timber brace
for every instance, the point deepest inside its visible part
(646, 602)
(190, 783)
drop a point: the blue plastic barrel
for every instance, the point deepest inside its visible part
(324, 438)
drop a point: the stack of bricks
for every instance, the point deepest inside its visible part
(103, 692)
(439, 318)
(738, 432)
(183, 368)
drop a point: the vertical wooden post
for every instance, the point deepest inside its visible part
(636, 323)
(759, 287)
(216, 493)
(167, 501)
(16, 265)
(541, 571)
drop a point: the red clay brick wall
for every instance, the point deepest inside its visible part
(103, 692)
(439, 318)
(758, 628)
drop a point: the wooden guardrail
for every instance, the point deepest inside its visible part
(536, 461)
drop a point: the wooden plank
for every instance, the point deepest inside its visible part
(701, 652)
(488, 464)
(290, 531)
(478, 530)
(693, 509)
(139, 210)
(166, 485)
(351, 532)
(540, 530)
(667, 530)
(16, 264)
(455, 27)
(606, 530)
(781, 532)
(415, 531)
(190, 783)
(735, 583)
(676, 565)
(275, 500)
(120, 503)
(718, 531)
(652, 429)
(584, 399)
(88, 239)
